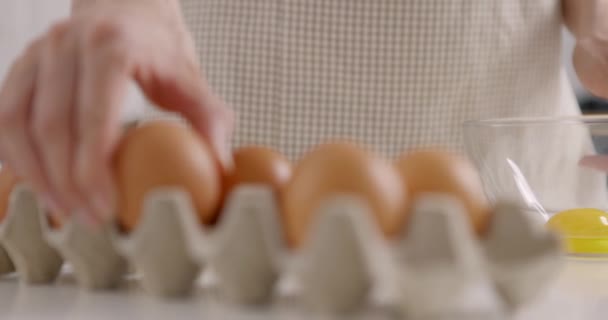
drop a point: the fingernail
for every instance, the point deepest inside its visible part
(225, 154)
(220, 140)
(51, 204)
(226, 158)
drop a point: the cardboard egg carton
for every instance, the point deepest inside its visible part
(439, 268)
(6, 265)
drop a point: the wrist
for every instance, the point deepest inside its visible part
(586, 19)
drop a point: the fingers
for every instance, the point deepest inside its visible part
(60, 104)
(52, 120)
(16, 143)
(182, 89)
(597, 162)
(103, 83)
(212, 119)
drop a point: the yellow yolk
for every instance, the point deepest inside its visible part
(585, 231)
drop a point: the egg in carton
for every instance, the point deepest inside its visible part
(346, 255)
(37, 247)
(206, 244)
(345, 258)
(247, 251)
(438, 268)
(345, 237)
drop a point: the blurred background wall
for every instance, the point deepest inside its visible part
(22, 20)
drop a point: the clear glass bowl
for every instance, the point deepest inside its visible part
(547, 166)
(537, 162)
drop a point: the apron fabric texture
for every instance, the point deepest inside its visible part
(392, 74)
(399, 74)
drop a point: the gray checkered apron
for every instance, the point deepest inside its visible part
(392, 74)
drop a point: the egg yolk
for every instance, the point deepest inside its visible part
(585, 231)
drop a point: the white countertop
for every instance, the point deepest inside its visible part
(581, 292)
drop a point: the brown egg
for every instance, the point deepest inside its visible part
(8, 181)
(257, 164)
(165, 153)
(342, 168)
(434, 170)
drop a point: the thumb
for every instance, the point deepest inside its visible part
(597, 162)
(188, 94)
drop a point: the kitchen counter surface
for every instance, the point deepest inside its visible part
(581, 292)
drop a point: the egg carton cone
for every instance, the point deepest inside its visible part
(242, 250)
(157, 247)
(6, 265)
(344, 259)
(245, 249)
(442, 271)
(522, 255)
(438, 268)
(21, 235)
(247, 252)
(95, 261)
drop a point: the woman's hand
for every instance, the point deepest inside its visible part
(60, 103)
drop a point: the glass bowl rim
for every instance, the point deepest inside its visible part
(541, 120)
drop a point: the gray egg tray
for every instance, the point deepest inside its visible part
(438, 269)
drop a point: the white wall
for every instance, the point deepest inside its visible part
(21, 21)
